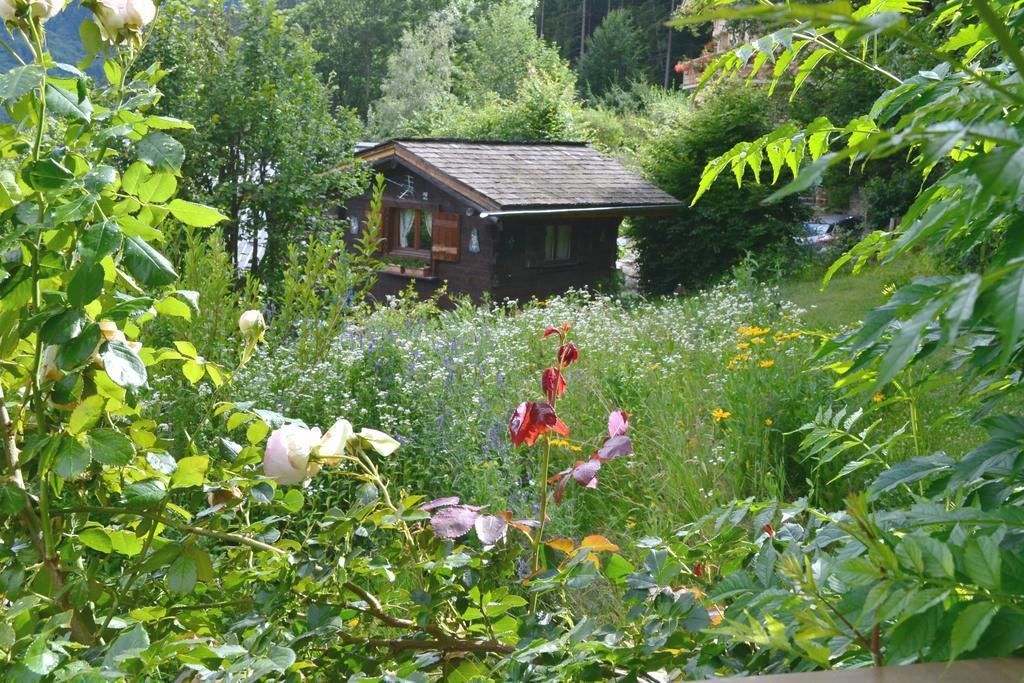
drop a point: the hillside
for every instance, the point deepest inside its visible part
(61, 38)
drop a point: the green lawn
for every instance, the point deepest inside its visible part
(848, 297)
(944, 409)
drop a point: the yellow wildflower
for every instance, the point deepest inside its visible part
(766, 363)
(654, 367)
(720, 414)
(575, 449)
(769, 422)
(743, 345)
(753, 331)
(781, 337)
(878, 397)
(757, 340)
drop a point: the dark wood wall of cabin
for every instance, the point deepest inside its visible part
(472, 274)
(509, 264)
(522, 273)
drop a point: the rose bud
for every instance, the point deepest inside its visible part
(226, 497)
(118, 18)
(568, 354)
(286, 458)
(252, 324)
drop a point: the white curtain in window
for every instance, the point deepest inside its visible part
(426, 229)
(406, 222)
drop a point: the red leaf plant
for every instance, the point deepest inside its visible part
(531, 421)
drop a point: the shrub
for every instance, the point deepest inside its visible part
(698, 244)
(545, 108)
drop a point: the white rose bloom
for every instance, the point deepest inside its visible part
(336, 439)
(138, 13)
(110, 14)
(286, 459)
(46, 9)
(8, 9)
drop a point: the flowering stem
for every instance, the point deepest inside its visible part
(41, 125)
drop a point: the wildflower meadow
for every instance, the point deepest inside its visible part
(715, 383)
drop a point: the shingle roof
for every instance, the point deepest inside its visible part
(526, 175)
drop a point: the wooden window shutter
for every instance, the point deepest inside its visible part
(446, 237)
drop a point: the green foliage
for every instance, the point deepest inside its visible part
(418, 83)
(268, 159)
(324, 282)
(614, 54)
(356, 38)
(500, 50)
(545, 108)
(928, 581)
(700, 243)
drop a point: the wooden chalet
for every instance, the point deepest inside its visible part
(512, 220)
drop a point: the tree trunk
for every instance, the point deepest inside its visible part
(583, 29)
(668, 50)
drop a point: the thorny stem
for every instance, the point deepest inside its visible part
(185, 528)
(38, 47)
(441, 641)
(373, 473)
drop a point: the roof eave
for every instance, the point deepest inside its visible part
(587, 211)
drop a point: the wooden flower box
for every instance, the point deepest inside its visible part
(403, 270)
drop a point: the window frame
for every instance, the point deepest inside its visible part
(394, 238)
(558, 229)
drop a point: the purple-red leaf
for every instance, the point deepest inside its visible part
(585, 474)
(454, 521)
(490, 528)
(560, 489)
(615, 447)
(440, 503)
(618, 423)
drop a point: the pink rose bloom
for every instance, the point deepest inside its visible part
(286, 459)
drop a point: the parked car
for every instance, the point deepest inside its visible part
(825, 230)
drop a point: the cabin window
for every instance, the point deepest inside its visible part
(412, 229)
(558, 243)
